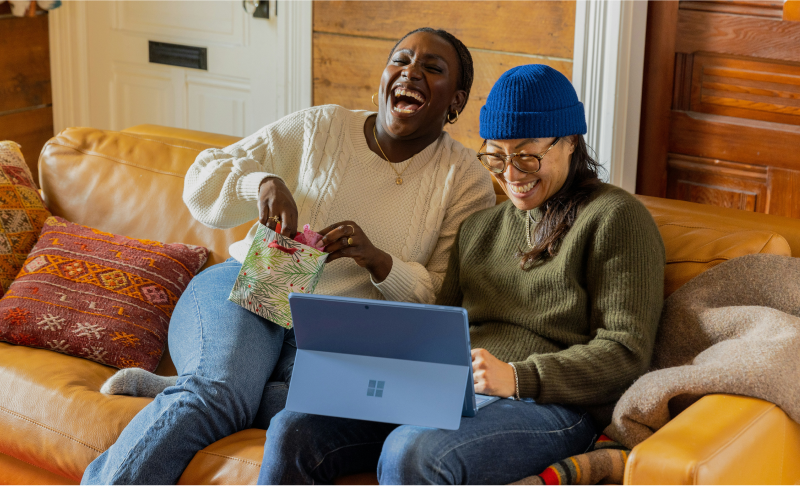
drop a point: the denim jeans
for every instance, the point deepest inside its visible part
(228, 381)
(506, 441)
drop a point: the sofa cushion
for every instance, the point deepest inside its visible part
(22, 212)
(51, 411)
(100, 296)
(93, 176)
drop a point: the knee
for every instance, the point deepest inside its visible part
(410, 456)
(289, 432)
(217, 400)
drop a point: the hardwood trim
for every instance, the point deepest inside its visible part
(717, 182)
(737, 35)
(682, 95)
(735, 139)
(786, 183)
(657, 89)
(753, 9)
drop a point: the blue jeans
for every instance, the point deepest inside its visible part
(506, 441)
(232, 365)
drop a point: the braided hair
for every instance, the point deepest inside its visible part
(465, 70)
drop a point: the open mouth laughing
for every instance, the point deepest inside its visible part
(406, 100)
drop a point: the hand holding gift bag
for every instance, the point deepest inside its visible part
(274, 267)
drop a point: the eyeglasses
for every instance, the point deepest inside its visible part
(527, 163)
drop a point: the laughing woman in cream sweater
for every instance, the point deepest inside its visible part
(390, 190)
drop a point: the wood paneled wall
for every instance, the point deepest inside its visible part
(722, 123)
(26, 111)
(352, 40)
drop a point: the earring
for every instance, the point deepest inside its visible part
(452, 120)
(373, 99)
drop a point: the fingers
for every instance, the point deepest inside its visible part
(276, 204)
(337, 232)
(289, 222)
(479, 360)
(346, 246)
(347, 252)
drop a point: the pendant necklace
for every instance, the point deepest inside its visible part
(399, 179)
(528, 229)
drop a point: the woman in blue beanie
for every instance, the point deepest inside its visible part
(563, 284)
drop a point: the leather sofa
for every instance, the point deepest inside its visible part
(54, 421)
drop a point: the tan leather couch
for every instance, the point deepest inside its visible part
(54, 421)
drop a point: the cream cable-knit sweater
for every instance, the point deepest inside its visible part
(322, 156)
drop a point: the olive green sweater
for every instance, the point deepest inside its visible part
(579, 328)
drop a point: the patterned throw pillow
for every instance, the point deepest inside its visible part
(96, 295)
(22, 213)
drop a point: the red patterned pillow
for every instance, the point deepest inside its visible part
(96, 295)
(22, 212)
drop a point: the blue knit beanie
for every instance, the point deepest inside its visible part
(532, 101)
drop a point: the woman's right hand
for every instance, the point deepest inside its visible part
(275, 199)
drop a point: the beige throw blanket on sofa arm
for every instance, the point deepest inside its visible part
(733, 329)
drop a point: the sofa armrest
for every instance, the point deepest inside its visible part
(721, 439)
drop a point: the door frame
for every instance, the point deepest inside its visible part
(69, 63)
(607, 72)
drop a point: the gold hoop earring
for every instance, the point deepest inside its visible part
(452, 120)
(373, 99)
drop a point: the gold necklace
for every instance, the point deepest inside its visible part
(399, 179)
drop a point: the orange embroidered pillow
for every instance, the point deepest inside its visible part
(96, 295)
(22, 213)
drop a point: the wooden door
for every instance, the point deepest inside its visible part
(721, 105)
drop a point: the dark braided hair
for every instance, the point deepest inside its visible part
(465, 70)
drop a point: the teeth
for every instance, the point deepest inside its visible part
(400, 110)
(523, 189)
(412, 94)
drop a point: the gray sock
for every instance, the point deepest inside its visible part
(137, 382)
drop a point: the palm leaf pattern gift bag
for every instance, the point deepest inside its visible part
(274, 267)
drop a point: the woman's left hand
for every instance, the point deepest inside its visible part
(347, 239)
(492, 376)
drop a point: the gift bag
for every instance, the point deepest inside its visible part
(274, 267)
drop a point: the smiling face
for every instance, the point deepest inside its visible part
(419, 87)
(529, 191)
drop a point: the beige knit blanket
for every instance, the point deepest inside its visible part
(733, 329)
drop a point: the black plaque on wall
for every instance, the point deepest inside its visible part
(178, 55)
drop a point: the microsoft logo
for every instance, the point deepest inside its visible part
(375, 388)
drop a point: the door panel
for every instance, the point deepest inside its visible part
(141, 94)
(236, 95)
(709, 181)
(217, 105)
(734, 114)
(216, 22)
